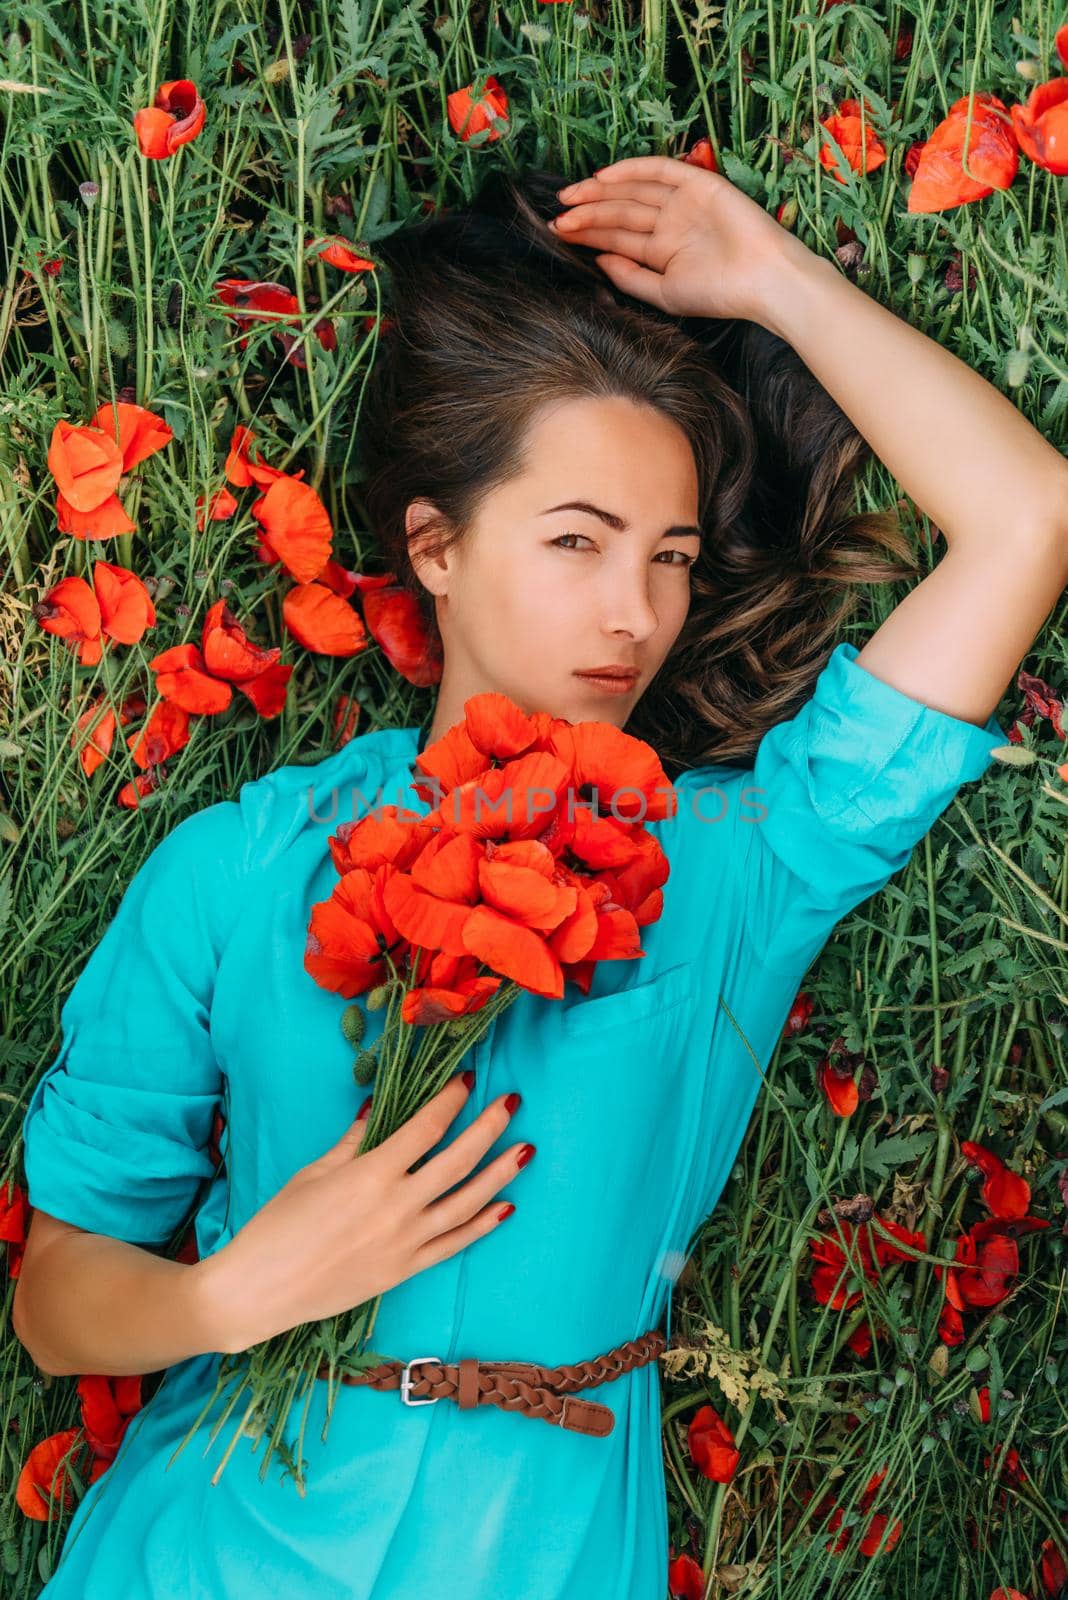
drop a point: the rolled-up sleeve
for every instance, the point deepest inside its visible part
(116, 1132)
(838, 798)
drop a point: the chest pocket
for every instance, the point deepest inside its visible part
(661, 998)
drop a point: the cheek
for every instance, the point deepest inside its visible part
(525, 596)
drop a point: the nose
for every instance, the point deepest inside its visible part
(627, 607)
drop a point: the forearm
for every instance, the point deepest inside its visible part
(93, 1304)
(958, 447)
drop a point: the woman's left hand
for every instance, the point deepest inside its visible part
(680, 237)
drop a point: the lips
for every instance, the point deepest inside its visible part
(623, 674)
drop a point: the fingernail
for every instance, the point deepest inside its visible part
(364, 1109)
(505, 1211)
(469, 1078)
(512, 1104)
(524, 1155)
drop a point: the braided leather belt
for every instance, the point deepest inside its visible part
(522, 1386)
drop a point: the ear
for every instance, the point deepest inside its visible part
(423, 526)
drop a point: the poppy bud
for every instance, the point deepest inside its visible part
(364, 1067)
(353, 1024)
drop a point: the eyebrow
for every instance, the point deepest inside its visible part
(680, 531)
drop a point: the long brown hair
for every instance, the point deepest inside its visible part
(491, 316)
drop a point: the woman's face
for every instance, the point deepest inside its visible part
(535, 595)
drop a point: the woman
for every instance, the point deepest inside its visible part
(581, 482)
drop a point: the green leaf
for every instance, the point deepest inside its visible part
(899, 1150)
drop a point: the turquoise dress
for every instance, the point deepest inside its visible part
(637, 1097)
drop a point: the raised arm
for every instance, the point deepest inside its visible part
(996, 489)
(690, 242)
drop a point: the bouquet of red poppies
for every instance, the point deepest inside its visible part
(533, 865)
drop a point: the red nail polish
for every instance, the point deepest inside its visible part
(469, 1078)
(512, 1104)
(525, 1154)
(364, 1109)
(505, 1211)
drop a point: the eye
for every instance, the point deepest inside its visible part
(686, 562)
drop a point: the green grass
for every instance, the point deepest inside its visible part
(959, 962)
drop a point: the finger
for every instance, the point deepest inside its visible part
(633, 279)
(426, 1127)
(609, 213)
(659, 169)
(350, 1141)
(622, 241)
(447, 1244)
(653, 194)
(453, 1163)
(453, 1210)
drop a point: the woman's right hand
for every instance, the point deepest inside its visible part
(349, 1225)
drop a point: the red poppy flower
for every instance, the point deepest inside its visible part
(712, 1445)
(468, 116)
(100, 720)
(198, 679)
(487, 879)
(1060, 42)
(86, 463)
(107, 1404)
(685, 1578)
(950, 1324)
(296, 527)
(255, 300)
(339, 253)
(243, 469)
(138, 432)
(1039, 701)
(1006, 1462)
(350, 933)
(126, 608)
(144, 783)
(448, 987)
(866, 1253)
(800, 1013)
(222, 505)
(182, 676)
(701, 154)
(43, 1482)
(163, 735)
(175, 117)
(1042, 126)
(1006, 1193)
(14, 1224)
(229, 654)
(869, 1545)
(987, 1262)
(1051, 1562)
(322, 621)
(864, 151)
(993, 156)
(105, 521)
(835, 1077)
(71, 611)
(338, 578)
(395, 623)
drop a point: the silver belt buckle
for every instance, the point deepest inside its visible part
(406, 1382)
